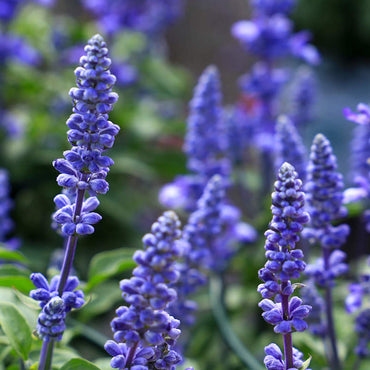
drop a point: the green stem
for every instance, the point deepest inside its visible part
(216, 289)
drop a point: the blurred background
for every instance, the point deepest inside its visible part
(156, 74)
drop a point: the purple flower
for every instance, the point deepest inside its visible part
(284, 263)
(274, 358)
(271, 37)
(91, 133)
(358, 300)
(302, 92)
(289, 146)
(270, 7)
(211, 235)
(263, 82)
(148, 16)
(145, 328)
(362, 327)
(324, 191)
(324, 274)
(51, 321)
(13, 47)
(205, 145)
(360, 156)
(6, 204)
(362, 117)
(311, 296)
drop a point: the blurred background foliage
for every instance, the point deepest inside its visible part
(151, 112)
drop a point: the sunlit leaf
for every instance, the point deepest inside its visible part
(15, 327)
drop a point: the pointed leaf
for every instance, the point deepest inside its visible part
(79, 363)
(9, 255)
(107, 264)
(15, 327)
(306, 364)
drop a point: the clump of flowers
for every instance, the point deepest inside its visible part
(148, 16)
(290, 146)
(324, 191)
(51, 321)
(82, 170)
(6, 204)
(284, 264)
(144, 330)
(359, 300)
(204, 145)
(361, 155)
(269, 36)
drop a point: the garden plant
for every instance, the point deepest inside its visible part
(147, 225)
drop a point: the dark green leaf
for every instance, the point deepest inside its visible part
(15, 328)
(78, 364)
(103, 298)
(8, 255)
(22, 283)
(13, 270)
(107, 264)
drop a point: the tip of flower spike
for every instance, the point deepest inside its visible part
(211, 70)
(210, 78)
(286, 168)
(320, 139)
(96, 38)
(283, 122)
(171, 215)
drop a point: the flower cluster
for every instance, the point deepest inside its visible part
(302, 92)
(145, 329)
(274, 358)
(312, 297)
(51, 320)
(324, 195)
(204, 146)
(361, 155)
(269, 36)
(148, 16)
(290, 146)
(284, 260)
(358, 299)
(91, 133)
(6, 224)
(324, 274)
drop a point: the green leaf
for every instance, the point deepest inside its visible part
(78, 364)
(306, 364)
(8, 255)
(12, 270)
(106, 264)
(15, 328)
(22, 283)
(26, 300)
(103, 298)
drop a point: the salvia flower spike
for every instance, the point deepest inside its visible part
(324, 191)
(83, 170)
(205, 144)
(284, 264)
(290, 147)
(144, 332)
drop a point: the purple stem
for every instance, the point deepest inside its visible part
(335, 363)
(71, 242)
(131, 355)
(288, 343)
(46, 355)
(47, 347)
